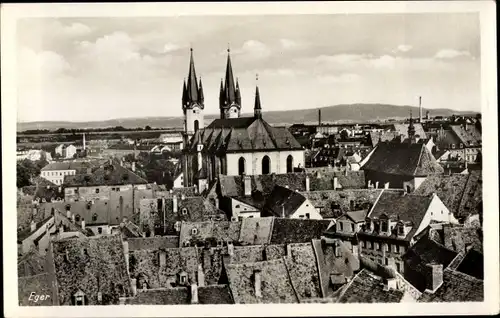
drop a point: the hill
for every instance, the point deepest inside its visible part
(330, 114)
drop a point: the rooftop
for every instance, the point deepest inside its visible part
(109, 174)
(283, 202)
(456, 287)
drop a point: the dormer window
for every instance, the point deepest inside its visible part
(194, 231)
(184, 211)
(401, 230)
(94, 217)
(183, 278)
(384, 226)
(79, 298)
(77, 218)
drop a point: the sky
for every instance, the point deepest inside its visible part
(91, 69)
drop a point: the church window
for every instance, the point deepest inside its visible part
(196, 125)
(94, 217)
(241, 166)
(266, 165)
(289, 164)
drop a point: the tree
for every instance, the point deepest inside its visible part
(147, 127)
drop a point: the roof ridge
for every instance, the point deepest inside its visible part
(290, 278)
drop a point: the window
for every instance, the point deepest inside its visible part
(384, 226)
(308, 215)
(99, 230)
(398, 266)
(184, 211)
(386, 261)
(96, 190)
(94, 217)
(77, 218)
(194, 231)
(341, 226)
(369, 245)
(241, 166)
(266, 165)
(289, 164)
(401, 230)
(352, 227)
(377, 246)
(196, 125)
(396, 248)
(388, 247)
(362, 244)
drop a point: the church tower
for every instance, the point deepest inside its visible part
(192, 101)
(229, 95)
(257, 110)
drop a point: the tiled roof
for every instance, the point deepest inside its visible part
(220, 231)
(357, 216)
(303, 271)
(334, 203)
(152, 243)
(275, 282)
(69, 165)
(285, 231)
(472, 199)
(244, 134)
(425, 251)
(408, 208)
(456, 287)
(233, 186)
(347, 180)
(472, 264)
(343, 265)
(459, 237)
(469, 137)
(282, 202)
(214, 294)
(403, 159)
(91, 265)
(41, 284)
(450, 188)
(105, 175)
(21, 236)
(256, 231)
(31, 263)
(365, 287)
(402, 129)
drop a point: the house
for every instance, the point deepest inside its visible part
(160, 216)
(100, 183)
(88, 271)
(36, 236)
(393, 223)
(55, 172)
(212, 233)
(399, 165)
(286, 203)
(347, 226)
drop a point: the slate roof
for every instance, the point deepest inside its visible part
(408, 208)
(366, 287)
(282, 202)
(276, 286)
(425, 251)
(41, 284)
(456, 287)
(90, 265)
(79, 166)
(225, 231)
(113, 174)
(403, 159)
(244, 134)
(285, 231)
(357, 216)
(214, 294)
(47, 190)
(402, 129)
(233, 186)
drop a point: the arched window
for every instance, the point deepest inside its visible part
(289, 164)
(196, 125)
(241, 166)
(266, 165)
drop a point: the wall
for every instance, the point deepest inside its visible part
(346, 226)
(240, 209)
(306, 207)
(28, 242)
(105, 192)
(191, 115)
(253, 161)
(436, 211)
(179, 181)
(385, 250)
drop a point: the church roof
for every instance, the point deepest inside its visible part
(244, 134)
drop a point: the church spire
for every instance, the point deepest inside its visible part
(184, 92)
(201, 96)
(230, 97)
(192, 85)
(411, 129)
(238, 95)
(257, 111)
(230, 87)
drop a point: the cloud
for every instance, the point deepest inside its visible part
(288, 44)
(450, 54)
(253, 49)
(404, 48)
(76, 29)
(45, 64)
(169, 47)
(385, 61)
(342, 78)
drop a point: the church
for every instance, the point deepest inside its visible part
(231, 145)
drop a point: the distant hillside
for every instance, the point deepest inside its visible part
(338, 113)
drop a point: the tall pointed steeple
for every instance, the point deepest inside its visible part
(230, 97)
(192, 85)
(411, 130)
(184, 92)
(257, 110)
(201, 96)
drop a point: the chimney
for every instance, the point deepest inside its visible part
(289, 250)
(194, 293)
(433, 276)
(376, 184)
(247, 185)
(390, 284)
(174, 202)
(68, 214)
(133, 285)
(335, 183)
(83, 223)
(201, 276)
(89, 170)
(319, 117)
(308, 184)
(230, 249)
(33, 226)
(257, 283)
(125, 252)
(283, 210)
(386, 185)
(73, 218)
(420, 108)
(183, 197)
(355, 247)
